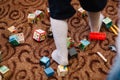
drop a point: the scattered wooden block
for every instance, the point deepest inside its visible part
(13, 39)
(49, 71)
(12, 29)
(82, 12)
(97, 36)
(45, 61)
(72, 52)
(39, 35)
(62, 70)
(4, 69)
(70, 42)
(38, 15)
(83, 44)
(108, 22)
(20, 37)
(31, 18)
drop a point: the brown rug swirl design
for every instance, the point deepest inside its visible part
(23, 60)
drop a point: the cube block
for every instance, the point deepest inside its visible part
(31, 18)
(62, 70)
(70, 42)
(108, 22)
(49, 71)
(97, 36)
(13, 39)
(82, 12)
(84, 44)
(45, 61)
(4, 69)
(12, 29)
(39, 35)
(72, 52)
(20, 37)
(39, 14)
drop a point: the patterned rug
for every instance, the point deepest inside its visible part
(23, 60)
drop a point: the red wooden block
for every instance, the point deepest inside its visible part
(97, 36)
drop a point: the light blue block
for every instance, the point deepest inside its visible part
(85, 42)
(45, 61)
(49, 71)
(13, 39)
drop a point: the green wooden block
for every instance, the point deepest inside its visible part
(70, 42)
(14, 42)
(108, 22)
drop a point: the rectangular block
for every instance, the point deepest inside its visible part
(97, 36)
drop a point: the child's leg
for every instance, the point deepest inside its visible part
(94, 7)
(95, 21)
(60, 29)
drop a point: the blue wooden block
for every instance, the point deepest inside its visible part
(13, 39)
(49, 71)
(45, 61)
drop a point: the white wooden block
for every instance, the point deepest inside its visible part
(38, 12)
(31, 18)
(62, 70)
(81, 10)
(21, 37)
(12, 29)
